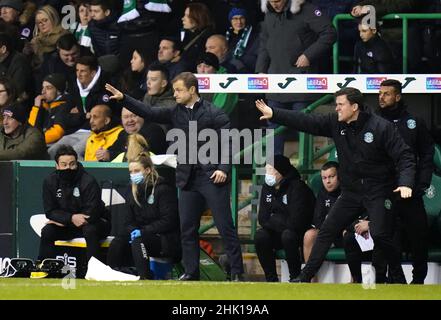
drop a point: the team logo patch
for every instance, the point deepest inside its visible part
(430, 192)
(106, 98)
(76, 192)
(318, 13)
(387, 204)
(26, 32)
(370, 54)
(285, 199)
(368, 137)
(411, 124)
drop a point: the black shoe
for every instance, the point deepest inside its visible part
(188, 277)
(417, 281)
(301, 278)
(238, 277)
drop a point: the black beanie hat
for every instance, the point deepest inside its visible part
(58, 80)
(16, 111)
(209, 59)
(283, 165)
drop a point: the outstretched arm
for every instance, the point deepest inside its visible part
(319, 125)
(146, 111)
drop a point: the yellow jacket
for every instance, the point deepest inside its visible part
(103, 140)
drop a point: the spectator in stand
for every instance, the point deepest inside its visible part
(372, 54)
(133, 79)
(169, 54)
(197, 25)
(242, 40)
(51, 110)
(15, 66)
(295, 36)
(152, 133)
(47, 31)
(209, 64)
(218, 45)
(18, 140)
(88, 92)
(62, 61)
(159, 91)
(103, 28)
(391, 30)
(104, 132)
(7, 94)
(10, 11)
(81, 30)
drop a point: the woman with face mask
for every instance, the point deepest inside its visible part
(285, 213)
(152, 219)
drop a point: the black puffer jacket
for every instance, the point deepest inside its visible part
(105, 35)
(62, 199)
(161, 217)
(289, 207)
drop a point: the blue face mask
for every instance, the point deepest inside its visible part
(137, 178)
(270, 180)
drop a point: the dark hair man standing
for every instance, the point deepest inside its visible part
(411, 211)
(370, 152)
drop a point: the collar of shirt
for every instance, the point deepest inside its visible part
(191, 107)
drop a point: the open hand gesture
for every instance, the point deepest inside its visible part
(266, 111)
(116, 94)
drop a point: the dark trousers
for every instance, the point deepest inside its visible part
(268, 241)
(142, 248)
(345, 210)
(93, 233)
(192, 202)
(279, 140)
(415, 229)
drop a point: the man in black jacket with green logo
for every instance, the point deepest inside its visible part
(370, 152)
(411, 211)
(72, 203)
(285, 212)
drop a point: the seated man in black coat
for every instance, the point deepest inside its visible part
(286, 209)
(72, 203)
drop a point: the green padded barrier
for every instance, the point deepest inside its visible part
(334, 254)
(315, 183)
(333, 156)
(437, 157)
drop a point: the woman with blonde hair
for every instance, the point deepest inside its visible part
(152, 219)
(47, 31)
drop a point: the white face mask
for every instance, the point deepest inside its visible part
(270, 180)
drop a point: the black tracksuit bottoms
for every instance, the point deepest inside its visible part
(345, 210)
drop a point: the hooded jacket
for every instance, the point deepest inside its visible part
(289, 207)
(54, 119)
(300, 28)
